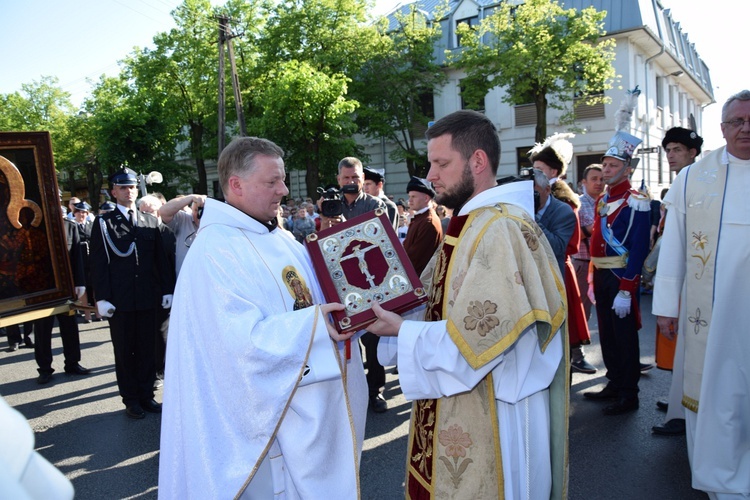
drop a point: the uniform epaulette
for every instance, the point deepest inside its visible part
(638, 201)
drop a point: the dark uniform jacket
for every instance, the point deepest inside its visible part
(137, 278)
(74, 252)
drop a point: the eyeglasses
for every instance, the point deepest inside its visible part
(736, 123)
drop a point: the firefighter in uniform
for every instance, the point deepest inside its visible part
(132, 279)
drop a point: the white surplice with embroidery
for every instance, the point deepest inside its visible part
(719, 434)
(235, 353)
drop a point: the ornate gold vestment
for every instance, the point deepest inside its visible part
(511, 283)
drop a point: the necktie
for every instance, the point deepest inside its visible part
(131, 215)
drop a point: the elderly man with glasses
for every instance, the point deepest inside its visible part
(700, 295)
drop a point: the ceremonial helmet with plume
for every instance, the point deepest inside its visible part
(622, 145)
(556, 151)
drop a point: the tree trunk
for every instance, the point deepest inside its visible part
(312, 171)
(540, 101)
(94, 183)
(196, 147)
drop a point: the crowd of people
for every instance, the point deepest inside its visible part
(487, 365)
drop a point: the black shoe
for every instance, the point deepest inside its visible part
(675, 427)
(77, 369)
(623, 405)
(378, 404)
(28, 342)
(662, 405)
(13, 347)
(151, 406)
(44, 378)
(135, 411)
(644, 367)
(582, 366)
(604, 394)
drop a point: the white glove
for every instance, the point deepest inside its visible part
(621, 305)
(106, 309)
(80, 290)
(166, 301)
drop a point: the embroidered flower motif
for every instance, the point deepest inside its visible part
(481, 317)
(519, 278)
(529, 234)
(455, 441)
(459, 280)
(697, 321)
(699, 240)
(423, 432)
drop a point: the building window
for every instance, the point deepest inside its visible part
(522, 158)
(465, 105)
(427, 104)
(471, 22)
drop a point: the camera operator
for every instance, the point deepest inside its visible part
(354, 202)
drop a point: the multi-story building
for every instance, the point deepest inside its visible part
(652, 51)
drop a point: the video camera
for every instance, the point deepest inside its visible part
(333, 203)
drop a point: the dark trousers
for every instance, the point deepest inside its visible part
(43, 341)
(14, 332)
(133, 339)
(160, 351)
(375, 371)
(618, 336)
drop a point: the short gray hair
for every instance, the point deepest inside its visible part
(150, 199)
(743, 95)
(351, 162)
(540, 179)
(238, 157)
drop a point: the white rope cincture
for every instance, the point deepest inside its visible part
(109, 243)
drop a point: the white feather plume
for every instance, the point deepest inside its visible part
(625, 112)
(560, 145)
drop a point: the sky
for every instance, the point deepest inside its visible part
(79, 40)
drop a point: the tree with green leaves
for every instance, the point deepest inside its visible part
(309, 52)
(397, 84)
(541, 53)
(181, 72)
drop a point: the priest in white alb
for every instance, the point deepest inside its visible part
(259, 398)
(487, 365)
(702, 292)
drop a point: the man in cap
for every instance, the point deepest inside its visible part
(425, 231)
(132, 278)
(552, 157)
(487, 368)
(81, 212)
(619, 245)
(700, 295)
(105, 207)
(681, 146)
(68, 324)
(357, 202)
(374, 180)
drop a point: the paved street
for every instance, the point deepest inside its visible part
(80, 426)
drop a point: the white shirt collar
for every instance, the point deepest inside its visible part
(519, 193)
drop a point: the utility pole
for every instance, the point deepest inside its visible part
(226, 37)
(222, 98)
